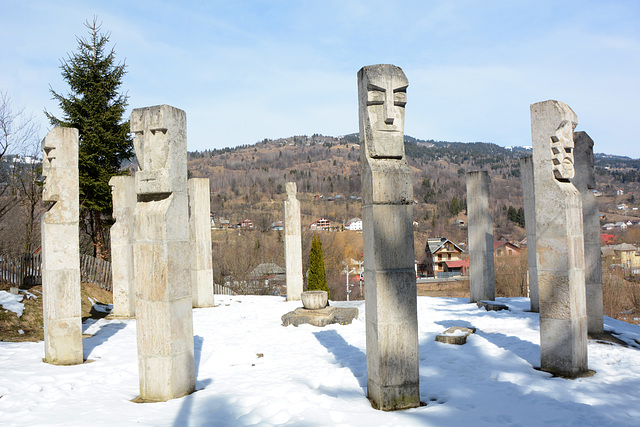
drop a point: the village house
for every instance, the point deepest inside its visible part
(443, 258)
(354, 224)
(321, 224)
(625, 255)
(502, 248)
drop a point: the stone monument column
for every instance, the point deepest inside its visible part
(387, 223)
(292, 244)
(559, 241)
(60, 248)
(526, 175)
(162, 254)
(200, 236)
(585, 182)
(123, 190)
(481, 272)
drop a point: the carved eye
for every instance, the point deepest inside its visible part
(375, 97)
(400, 99)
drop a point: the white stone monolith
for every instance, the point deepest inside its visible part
(526, 175)
(585, 182)
(123, 191)
(559, 241)
(292, 244)
(387, 209)
(162, 254)
(200, 236)
(60, 249)
(481, 272)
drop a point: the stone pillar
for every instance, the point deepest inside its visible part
(292, 244)
(200, 237)
(60, 256)
(526, 175)
(123, 190)
(481, 273)
(387, 223)
(161, 254)
(559, 241)
(584, 180)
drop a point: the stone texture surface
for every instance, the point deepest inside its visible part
(455, 335)
(314, 300)
(200, 238)
(60, 249)
(292, 244)
(387, 210)
(481, 272)
(526, 175)
(584, 181)
(491, 305)
(322, 317)
(559, 241)
(162, 255)
(123, 191)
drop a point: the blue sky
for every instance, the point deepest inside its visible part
(248, 70)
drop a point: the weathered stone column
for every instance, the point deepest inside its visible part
(161, 254)
(559, 241)
(526, 175)
(123, 191)
(200, 237)
(481, 273)
(387, 213)
(585, 181)
(292, 244)
(60, 248)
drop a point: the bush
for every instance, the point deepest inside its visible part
(317, 276)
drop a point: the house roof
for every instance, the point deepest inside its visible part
(438, 242)
(458, 263)
(501, 243)
(267, 269)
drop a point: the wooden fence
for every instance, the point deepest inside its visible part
(25, 270)
(222, 290)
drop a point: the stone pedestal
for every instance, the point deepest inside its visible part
(584, 181)
(559, 241)
(60, 249)
(162, 255)
(200, 237)
(481, 273)
(387, 208)
(526, 175)
(123, 190)
(292, 244)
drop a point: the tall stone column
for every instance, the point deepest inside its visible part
(123, 191)
(585, 181)
(292, 244)
(481, 272)
(387, 223)
(161, 254)
(526, 175)
(60, 248)
(200, 236)
(559, 241)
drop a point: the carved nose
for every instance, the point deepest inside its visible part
(388, 107)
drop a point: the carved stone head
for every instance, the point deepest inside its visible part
(382, 94)
(584, 161)
(59, 163)
(291, 188)
(160, 144)
(562, 144)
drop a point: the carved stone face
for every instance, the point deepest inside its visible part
(562, 148)
(50, 189)
(160, 146)
(383, 95)
(291, 188)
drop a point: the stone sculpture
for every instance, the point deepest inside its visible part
(162, 255)
(387, 208)
(559, 241)
(200, 237)
(292, 244)
(481, 272)
(526, 175)
(60, 248)
(123, 191)
(585, 182)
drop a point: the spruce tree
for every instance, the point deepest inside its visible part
(94, 106)
(317, 276)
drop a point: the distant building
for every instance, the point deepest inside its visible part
(619, 192)
(621, 225)
(278, 225)
(624, 255)
(502, 248)
(245, 223)
(223, 223)
(440, 254)
(353, 224)
(322, 224)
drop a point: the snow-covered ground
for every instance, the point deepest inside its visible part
(253, 371)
